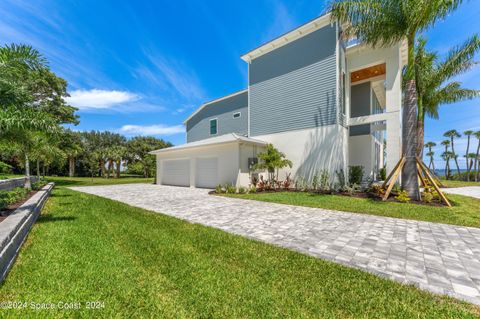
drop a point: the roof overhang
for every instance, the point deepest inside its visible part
(288, 37)
(211, 142)
(213, 101)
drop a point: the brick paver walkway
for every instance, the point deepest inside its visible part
(439, 258)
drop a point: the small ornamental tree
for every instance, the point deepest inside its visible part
(272, 160)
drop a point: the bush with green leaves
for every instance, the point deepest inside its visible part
(230, 189)
(253, 189)
(355, 174)
(382, 173)
(402, 197)
(242, 190)
(219, 189)
(38, 185)
(10, 197)
(427, 197)
(5, 168)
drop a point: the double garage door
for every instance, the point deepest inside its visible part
(177, 172)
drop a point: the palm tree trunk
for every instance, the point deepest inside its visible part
(109, 169)
(455, 157)
(119, 163)
(409, 172)
(476, 161)
(38, 169)
(420, 137)
(466, 158)
(71, 166)
(43, 168)
(28, 184)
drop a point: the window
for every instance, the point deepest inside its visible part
(236, 115)
(213, 127)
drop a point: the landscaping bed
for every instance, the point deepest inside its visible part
(12, 199)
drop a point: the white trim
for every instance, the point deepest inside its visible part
(237, 117)
(214, 101)
(293, 35)
(210, 126)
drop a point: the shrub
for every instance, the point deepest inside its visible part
(355, 188)
(402, 197)
(8, 198)
(341, 178)
(315, 182)
(219, 189)
(252, 189)
(242, 190)
(324, 180)
(427, 197)
(377, 190)
(5, 168)
(38, 185)
(355, 174)
(230, 189)
(287, 183)
(382, 173)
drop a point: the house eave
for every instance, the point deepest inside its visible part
(288, 37)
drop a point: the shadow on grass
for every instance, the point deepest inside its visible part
(60, 195)
(50, 218)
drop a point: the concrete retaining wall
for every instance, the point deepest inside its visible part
(15, 228)
(8, 184)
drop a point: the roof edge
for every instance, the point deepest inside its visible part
(213, 101)
(297, 33)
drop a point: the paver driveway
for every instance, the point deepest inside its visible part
(436, 257)
(472, 191)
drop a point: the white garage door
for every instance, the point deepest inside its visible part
(176, 172)
(207, 172)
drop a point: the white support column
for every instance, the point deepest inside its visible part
(159, 170)
(193, 172)
(393, 83)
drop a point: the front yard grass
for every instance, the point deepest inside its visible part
(89, 181)
(465, 210)
(452, 183)
(141, 264)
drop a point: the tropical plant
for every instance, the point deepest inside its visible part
(138, 149)
(477, 154)
(387, 22)
(272, 160)
(452, 134)
(403, 197)
(468, 134)
(355, 174)
(433, 75)
(430, 154)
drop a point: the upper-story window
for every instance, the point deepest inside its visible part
(213, 126)
(236, 115)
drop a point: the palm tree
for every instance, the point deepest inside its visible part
(445, 155)
(452, 134)
(470, 157)
(430, 154)
(272, 160)
(468, 134)
(387, 22)
(477, 154)
(433, 88)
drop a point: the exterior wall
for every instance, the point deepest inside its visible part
(362, 57)
(360, 152)
(232, 162)
(312, 150)
(295, 86)
(198, 127)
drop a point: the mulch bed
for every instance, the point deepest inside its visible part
(10, 209)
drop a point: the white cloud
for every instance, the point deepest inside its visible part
(99, 99)
(282, 21)
(159, 129)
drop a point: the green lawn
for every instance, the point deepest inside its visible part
(450, 183)
(465, 210)
(88, 181)
(141, 264)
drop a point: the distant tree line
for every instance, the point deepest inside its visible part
(33, 112)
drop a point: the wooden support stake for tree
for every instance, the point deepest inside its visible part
(420, 176)
(385, 182)
(434, 184)
(426, 169)
(394, 176)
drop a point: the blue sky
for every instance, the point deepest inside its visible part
(141, 67)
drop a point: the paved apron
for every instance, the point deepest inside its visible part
(439, 258)
(472, 191)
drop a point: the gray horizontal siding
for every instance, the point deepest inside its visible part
(198, 127)
(304, 98)
(294, 86)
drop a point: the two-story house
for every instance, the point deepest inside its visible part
(325, 102)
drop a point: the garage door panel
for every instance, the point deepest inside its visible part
(207, 172)
(176, 172)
